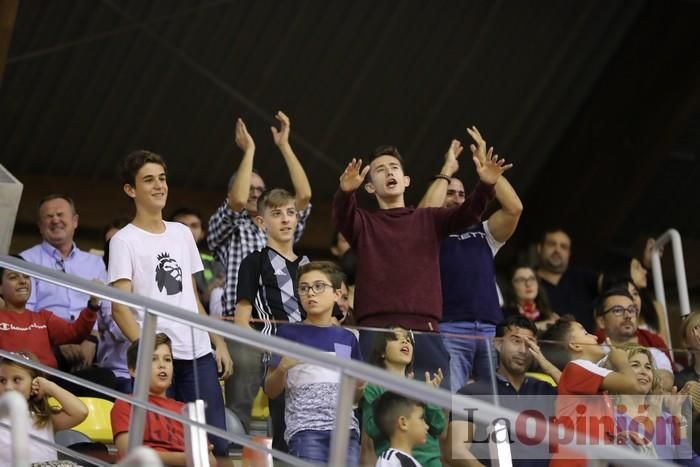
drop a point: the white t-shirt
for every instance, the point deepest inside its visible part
(38, 451)
(396, 458)
(160, 266)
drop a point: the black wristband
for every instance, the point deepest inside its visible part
(94, 308)
(442, 177)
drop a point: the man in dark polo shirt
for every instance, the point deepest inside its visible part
(517, 348)
(570, 290)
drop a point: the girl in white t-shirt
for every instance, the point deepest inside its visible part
(45, 419)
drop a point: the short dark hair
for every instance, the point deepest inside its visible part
(388, 408)
(615, 291)
(515, 321)
(135, 160)
(385, 150)
(132, 352)
(552, 230)
(185, 211)
(2, 269)
(376, 356)
(54, 196)
(330, 269)
(554, 343)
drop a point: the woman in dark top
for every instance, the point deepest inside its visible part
(525, 297)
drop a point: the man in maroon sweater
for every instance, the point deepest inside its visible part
(398, 247)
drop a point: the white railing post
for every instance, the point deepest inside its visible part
(142, 382)
(12, 404)
(499, 446)
(670, 236)
(343, 415)
(196, 445)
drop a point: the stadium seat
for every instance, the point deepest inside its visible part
(98, 424)
(542, 377)
(260, 409)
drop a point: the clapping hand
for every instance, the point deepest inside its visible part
(352, 177)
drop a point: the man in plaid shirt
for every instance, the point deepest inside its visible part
(233, 233)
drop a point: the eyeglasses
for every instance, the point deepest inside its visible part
(619, 310)
(524, 280)
(317, 287)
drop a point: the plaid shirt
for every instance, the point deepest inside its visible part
(233, 236)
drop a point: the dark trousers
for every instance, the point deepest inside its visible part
(198, 379)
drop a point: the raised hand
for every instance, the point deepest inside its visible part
(352, 177)
(243, 138)
(491, 169)
(478, 149)
(436, 379)
(281, 136)
(451, 165)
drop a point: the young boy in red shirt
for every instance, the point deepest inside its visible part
(583, 404)
(165, 435)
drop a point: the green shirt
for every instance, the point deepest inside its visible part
(427, 454)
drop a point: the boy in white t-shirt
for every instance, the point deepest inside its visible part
(402, 421)
(158, 259)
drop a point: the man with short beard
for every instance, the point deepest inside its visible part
(616, 316)
(571, 290)
(517, 347)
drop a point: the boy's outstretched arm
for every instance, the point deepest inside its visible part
(622, 380)
(503, 222)
(302, 187)
(240, 189)
(435, 196)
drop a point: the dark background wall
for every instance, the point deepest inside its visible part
(595, 102)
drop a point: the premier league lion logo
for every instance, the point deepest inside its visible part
(168, 275)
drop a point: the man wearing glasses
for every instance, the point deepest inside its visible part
(58, 220)
(616, 316)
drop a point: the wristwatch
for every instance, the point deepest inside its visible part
(94, 307)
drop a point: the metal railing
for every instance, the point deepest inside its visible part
(350, 371)
(13, 405)
(673, 237)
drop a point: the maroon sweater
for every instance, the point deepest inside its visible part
(398, 257)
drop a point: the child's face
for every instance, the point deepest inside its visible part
(586, 342)
(13, 378)
(317, 303)
(386, 178)
(280, 222)
(692, 335)
(150, 190)
(400, 349)
(161, 369)
(16, 287)
(416, 428)
(643, 371)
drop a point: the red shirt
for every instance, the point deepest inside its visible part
(581, 404)
(160, 433)
(39, 331)
(398, 257)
